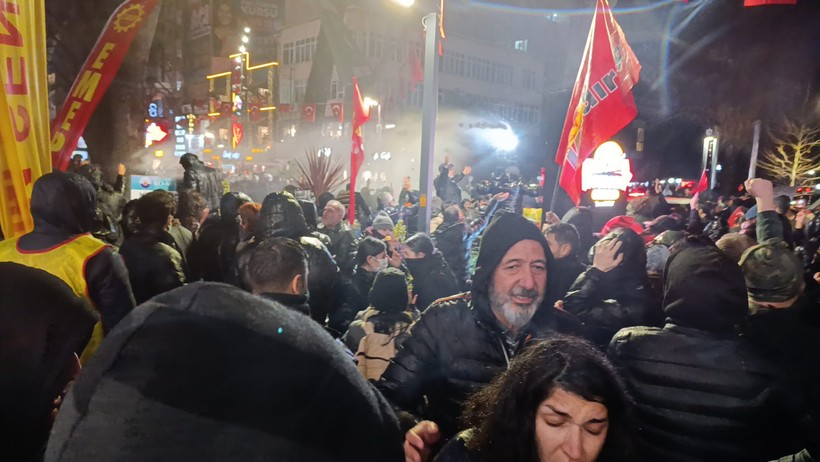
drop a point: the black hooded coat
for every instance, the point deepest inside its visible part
(211, 256)
(208, 372)
(281, 216)
(458, 345)
(432, 279)
(581, 218)
(608, 302)
(63, 206)
(704, 392)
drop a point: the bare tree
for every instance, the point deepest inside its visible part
(796, 154)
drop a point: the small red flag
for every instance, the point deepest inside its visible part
(336, 110)
(602, 103)
(416, 71)
(309, 113)
(748, 3)
(702, 185)
(361, 114)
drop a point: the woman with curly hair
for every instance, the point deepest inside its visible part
(561, 400)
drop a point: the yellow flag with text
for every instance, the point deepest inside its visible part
(24, 125)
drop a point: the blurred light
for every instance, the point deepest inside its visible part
(370, 102)
(609, 150)
(159, 153)
(812, 172)
(817, 186)
(719, 168)
(502, 139)
(605, 194)
(238, 59)
(247, 30)
(245, 39)
(249, 158)
(242, 49)
(405, 3)
(375, 156)
(389, 126)
(604, 203)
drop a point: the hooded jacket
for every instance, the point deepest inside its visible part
(211, 256)
(62, 206)
(281, 216)
(201, 178)
(42, 324)
(208, 372)
(703, 391)
(608, 302)
(110, 202)
(458, 346)
(432, 279)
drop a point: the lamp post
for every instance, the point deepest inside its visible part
(429, 110)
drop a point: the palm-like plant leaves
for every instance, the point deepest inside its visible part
(319, 174)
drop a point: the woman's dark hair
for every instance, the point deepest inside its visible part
(369, 247)
(503, 413)
(421, 242)
(633, 267)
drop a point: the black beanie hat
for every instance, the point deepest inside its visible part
(506, 230)
(704, 289)
(389, 291)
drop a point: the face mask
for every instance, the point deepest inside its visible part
(382, 264)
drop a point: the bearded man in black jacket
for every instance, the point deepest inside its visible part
(461, 343)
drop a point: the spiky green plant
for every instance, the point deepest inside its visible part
(319, 174)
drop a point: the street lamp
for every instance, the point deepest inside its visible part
(405, 3)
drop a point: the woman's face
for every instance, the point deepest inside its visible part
(225, 15)
(569, 428)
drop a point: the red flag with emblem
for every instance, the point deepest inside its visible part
(336, 109)
(602, 103)
(309, 113)
(361, 114)
(769, 2)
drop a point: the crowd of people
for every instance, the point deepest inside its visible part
(204, 326)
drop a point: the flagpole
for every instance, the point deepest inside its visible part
(555, 188)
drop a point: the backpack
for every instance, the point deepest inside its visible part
(376, 349)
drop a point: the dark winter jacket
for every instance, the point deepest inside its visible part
(298, 303)
(455, 240)
(281, 216)
(154, 264)
(458, 345)
(201, 178)
(342, 247)
(703, 391)
(447, 188)
(110, 202)
(208, 372)
(362, 282)
(211, 256)
(566, 272)
(608, 302)
(105, 273)
(432, 279)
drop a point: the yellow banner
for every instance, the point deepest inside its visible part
(24, 128)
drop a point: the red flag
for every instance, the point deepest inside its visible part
(416, 71)
(748, 3)
(283, 108)
(702, 185)
(361, 114)
(336, 110)
(602, 103)
(95, 77)
(309, 113)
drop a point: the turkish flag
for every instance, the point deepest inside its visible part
(361, 114)
(602, 103)
(416, 71)
(702, 185)
(254, 111)
(768, 2)
(309, 113)
(337, 109)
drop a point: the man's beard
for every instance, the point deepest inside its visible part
(517, 316)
